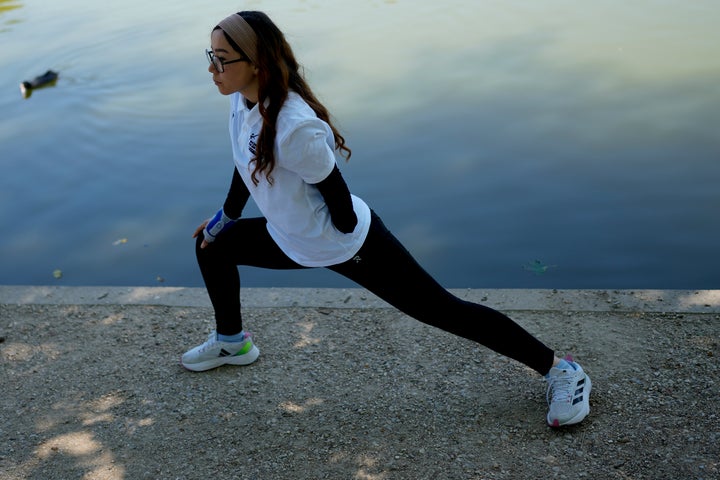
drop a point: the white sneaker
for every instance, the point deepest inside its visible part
(568, 395)
(214, 353)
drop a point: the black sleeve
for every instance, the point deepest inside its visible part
(337, 197)
(237, 197)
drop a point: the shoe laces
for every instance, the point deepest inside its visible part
(210, 342)
(560, 388)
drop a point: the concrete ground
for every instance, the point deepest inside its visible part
(348, 388)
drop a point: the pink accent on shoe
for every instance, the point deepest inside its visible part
(556, 423)
(569, 358)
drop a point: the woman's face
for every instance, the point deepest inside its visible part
(237, 77)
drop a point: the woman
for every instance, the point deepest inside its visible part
(284, 145)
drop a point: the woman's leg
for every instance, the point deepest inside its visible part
(246, 243)
(387, 269)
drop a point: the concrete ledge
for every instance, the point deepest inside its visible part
(688, 301)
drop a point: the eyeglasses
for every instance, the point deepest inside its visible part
(220, 64)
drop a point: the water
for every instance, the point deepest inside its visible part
(507, 144)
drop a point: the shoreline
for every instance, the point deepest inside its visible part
(646, 300)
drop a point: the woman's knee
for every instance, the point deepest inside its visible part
(198, 243)
(205, 255)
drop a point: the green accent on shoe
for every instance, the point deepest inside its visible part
(245, 349)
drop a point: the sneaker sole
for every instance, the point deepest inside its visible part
(584, 412)
(244, 359)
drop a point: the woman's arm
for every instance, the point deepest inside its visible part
(231, 210)
(337, 197)
(237, 196)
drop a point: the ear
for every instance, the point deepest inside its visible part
(256, 70)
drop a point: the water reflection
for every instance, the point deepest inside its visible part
(8, 5)
(489, 135)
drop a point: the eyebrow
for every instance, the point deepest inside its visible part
(219, 50)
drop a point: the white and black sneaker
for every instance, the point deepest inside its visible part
(214, 353)
(568, 394)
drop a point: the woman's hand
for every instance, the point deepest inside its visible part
(199, 231)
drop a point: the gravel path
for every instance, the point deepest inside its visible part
(96, 392)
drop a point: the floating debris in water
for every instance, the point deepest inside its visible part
(57, 273)
(160, 279)
(120, 241)
(537, 267)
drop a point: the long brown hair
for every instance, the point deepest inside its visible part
(278, 73)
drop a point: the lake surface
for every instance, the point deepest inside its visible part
(508, 144)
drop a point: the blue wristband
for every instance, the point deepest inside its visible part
(217, 225)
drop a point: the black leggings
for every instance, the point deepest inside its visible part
(382, 266)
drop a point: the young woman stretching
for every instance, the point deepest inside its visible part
(283, 145)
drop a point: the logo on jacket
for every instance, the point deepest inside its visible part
(252, 145)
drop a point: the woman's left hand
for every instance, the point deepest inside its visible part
(199, 231)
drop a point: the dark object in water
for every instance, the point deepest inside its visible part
(47, 79)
